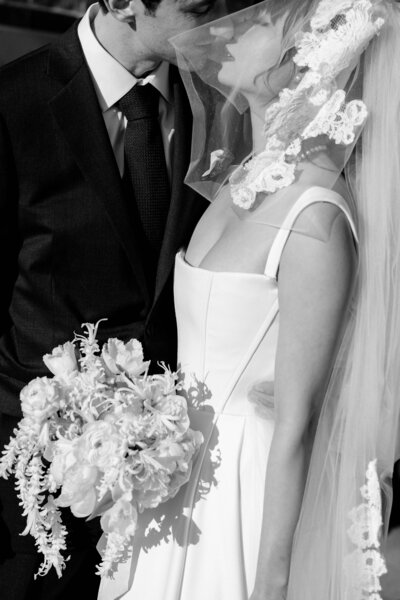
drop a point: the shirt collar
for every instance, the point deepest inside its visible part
(111, 80)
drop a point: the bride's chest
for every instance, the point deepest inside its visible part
(226, 241)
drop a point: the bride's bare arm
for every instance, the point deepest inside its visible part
(315, 282)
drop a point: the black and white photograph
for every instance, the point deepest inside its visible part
(200, 300)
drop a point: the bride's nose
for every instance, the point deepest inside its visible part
(241, 27)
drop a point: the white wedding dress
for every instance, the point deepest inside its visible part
(203, 544)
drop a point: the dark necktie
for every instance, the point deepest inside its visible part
(145, 165)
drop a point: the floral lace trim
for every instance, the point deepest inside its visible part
(340, 32)
(365, 565)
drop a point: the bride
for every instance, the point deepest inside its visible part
(292, 276)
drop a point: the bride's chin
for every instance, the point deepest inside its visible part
(224, 76)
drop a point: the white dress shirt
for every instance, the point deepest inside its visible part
(112, 81)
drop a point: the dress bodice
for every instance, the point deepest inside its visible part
(228, 322)
(220, 325)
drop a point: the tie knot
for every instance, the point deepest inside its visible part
(141, 102)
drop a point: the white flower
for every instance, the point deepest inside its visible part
(172, 410)
(39, 399)
(127, 358)
(62, 361)
(106, 438)
(121, 518)
(63, 456)
(169, 453)
(84, 507)
(100, 445)
(79, 489)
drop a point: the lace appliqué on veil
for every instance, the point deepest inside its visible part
(365, 565)
(340, 32)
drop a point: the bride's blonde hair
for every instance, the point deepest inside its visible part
(296, 14)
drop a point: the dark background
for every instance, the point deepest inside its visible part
(28, 24)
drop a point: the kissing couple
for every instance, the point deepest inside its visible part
(222, 183)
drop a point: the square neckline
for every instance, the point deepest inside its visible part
(182, 256)
(306, 198)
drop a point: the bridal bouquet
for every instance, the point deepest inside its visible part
(102, 437)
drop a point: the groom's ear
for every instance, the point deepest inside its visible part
(125, 10)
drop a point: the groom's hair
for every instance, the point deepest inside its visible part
(151, 5)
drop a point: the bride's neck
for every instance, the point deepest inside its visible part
(258, 107)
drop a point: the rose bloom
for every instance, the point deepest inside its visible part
(62, 361)
(128, 358)
(39, 399)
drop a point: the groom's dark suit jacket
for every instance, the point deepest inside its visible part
(70, 248)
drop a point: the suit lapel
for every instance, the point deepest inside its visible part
(186, 206)
(78, 115)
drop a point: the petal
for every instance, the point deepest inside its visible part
(85, 507)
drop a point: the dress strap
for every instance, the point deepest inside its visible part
(310, 196)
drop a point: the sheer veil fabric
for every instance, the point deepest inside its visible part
(341, 528)
(337, 550)
(295, 124)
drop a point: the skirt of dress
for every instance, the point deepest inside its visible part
(203, 544)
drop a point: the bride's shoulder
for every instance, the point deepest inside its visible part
(317, 209)
(323, 238)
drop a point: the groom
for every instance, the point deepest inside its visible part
(94, 147)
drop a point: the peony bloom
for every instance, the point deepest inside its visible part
(39, 399)
(62, 361)
(79, 489)
(100, 445)
(124, 358)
